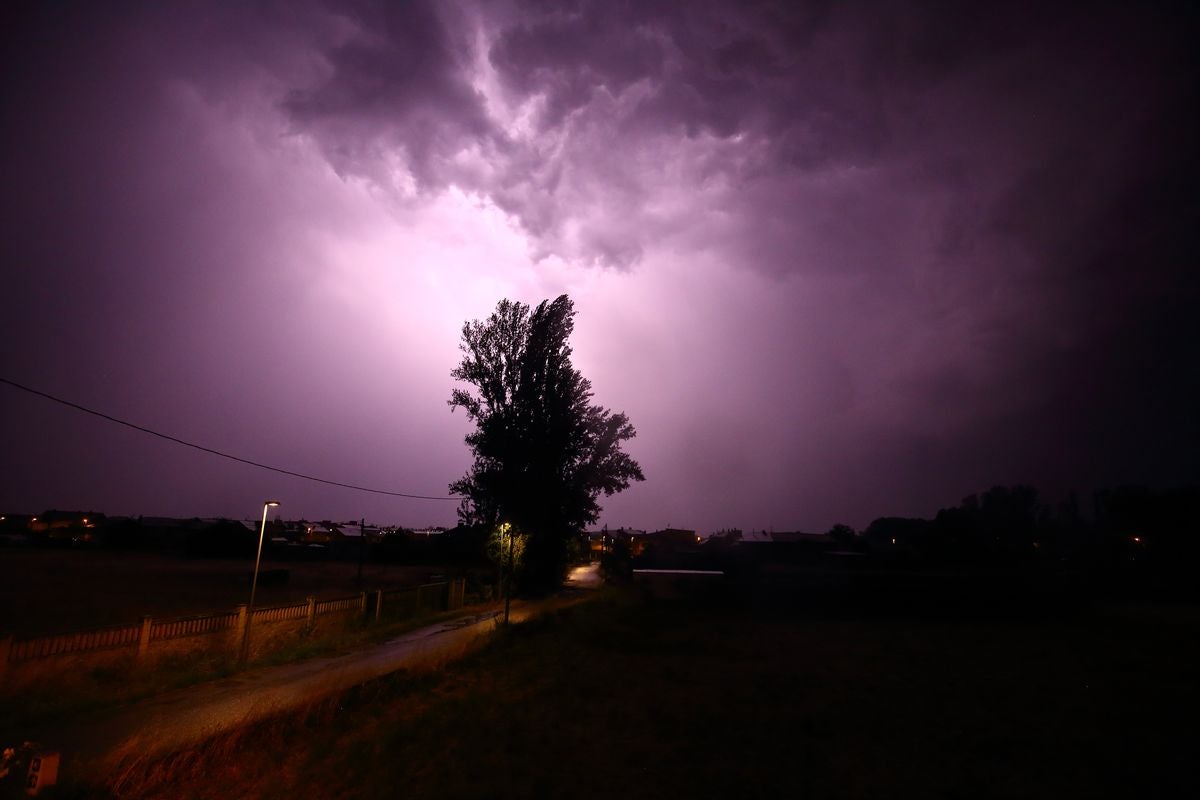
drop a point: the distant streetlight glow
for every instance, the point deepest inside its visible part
(254, 580)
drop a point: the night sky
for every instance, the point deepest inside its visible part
(835, 261)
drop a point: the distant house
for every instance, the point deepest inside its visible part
(800, 537)
(429, 532)
(14, 529)
(321, 533)
(163, 523)
(674, 536)
(80, 526)
(292, 530)
(792, 547)
(601, 541)
(15, 523)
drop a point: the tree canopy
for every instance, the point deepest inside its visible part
(543, 451)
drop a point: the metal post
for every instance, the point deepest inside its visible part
(262, 532)
(508, 583)
(362, 550)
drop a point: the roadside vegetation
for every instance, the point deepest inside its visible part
(704, 694)
(90, 689)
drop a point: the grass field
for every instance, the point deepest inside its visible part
(633, 696)
(48, 591)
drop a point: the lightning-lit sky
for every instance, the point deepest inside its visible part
(835, 260)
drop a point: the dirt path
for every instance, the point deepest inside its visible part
(96, 750)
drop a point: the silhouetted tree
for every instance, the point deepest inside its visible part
(841, 534)
(543, 451)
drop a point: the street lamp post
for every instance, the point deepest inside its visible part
(262, 531)
(506, 530)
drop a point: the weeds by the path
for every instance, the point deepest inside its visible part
(633, 698)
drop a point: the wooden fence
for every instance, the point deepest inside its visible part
(192, 626)
(281, 613)
(392, 604)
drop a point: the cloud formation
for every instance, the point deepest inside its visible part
(834, 259)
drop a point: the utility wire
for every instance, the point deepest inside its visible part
(210, 450)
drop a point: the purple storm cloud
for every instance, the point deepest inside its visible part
(834, 260)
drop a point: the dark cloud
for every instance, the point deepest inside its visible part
(397, 82)
(841, 258)
(569, 54)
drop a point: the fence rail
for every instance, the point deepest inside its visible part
(192, 626)
(99, 639)
(340, 604)
(281, 613)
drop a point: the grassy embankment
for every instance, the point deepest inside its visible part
(630, 697)
(52, 590)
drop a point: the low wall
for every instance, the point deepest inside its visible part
(151, 641)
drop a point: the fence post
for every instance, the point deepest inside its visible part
(362, 605)
(144, 636)
(378, 604)
(459, 593)
(312, 610)
(5, 652)
(239, 628)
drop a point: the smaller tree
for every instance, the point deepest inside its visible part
(842, 534)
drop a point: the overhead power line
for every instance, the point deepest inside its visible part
(214, 452)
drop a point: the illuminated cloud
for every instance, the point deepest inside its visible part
(835, 261)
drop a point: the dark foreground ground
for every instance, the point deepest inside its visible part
(705, 694)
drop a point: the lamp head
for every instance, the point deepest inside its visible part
(271, 503)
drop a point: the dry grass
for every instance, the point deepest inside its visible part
(629, 698)
(81, 686)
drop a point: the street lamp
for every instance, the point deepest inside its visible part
(262, 531)
(506, 530)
